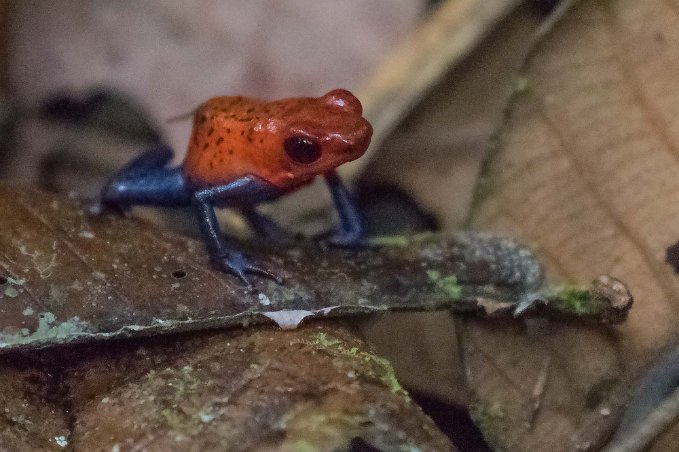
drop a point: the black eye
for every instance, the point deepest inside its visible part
(302, 149)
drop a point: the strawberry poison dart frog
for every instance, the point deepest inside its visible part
(243, 152)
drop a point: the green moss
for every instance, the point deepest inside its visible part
(491, 420)
(303, 446)
(446, 284)
(572, 299)
(522, 85)
(388, 375)
(183, 383)
(172, 419)
(402, 241)
(322, 340)
(48, 330)
(386, 372)
(390, 240)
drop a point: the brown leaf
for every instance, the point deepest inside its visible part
(32, 417)
(316, 388)
(70, 277)
(587, 171)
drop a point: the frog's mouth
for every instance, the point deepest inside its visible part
(359, 144)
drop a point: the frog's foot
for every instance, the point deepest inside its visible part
(239, 265)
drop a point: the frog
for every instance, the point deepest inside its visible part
(243, 152)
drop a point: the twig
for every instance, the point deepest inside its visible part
(538, 391)
(645, 432)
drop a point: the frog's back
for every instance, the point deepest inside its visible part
(225, 143)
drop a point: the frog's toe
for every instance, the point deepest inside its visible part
(240, 266)
(264, 272)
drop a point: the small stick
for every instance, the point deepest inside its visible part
(538, 392)
(654, 424)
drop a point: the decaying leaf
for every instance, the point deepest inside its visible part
(315, 388)
(32, 416)
(68, 276)
(586, 169)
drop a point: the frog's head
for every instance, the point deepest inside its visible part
(322, 133)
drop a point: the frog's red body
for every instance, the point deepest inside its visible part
(244, 151)
(234, 136)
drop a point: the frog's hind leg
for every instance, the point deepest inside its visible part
(156, 157)
(265, 226)
(147, 181)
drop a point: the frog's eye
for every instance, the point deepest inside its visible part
(302, 149)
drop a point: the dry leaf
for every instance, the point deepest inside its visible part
(66, 276)
(33, 416)
(316, 388)
(586, 169)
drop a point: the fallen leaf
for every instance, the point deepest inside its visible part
(586, 170)
(32, 417)
(315, 388)
(67, 276)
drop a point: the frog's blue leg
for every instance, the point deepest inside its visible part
(264, 226)
(146, 181)
(156, 157)
(350, 233)
(242, 191)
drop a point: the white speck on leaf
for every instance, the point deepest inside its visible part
(288, 319)
(61, 441)
(206, 417)
(263, 299)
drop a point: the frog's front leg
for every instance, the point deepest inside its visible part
(350, 233)
(222, 253)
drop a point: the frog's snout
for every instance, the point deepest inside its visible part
(363, 136)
